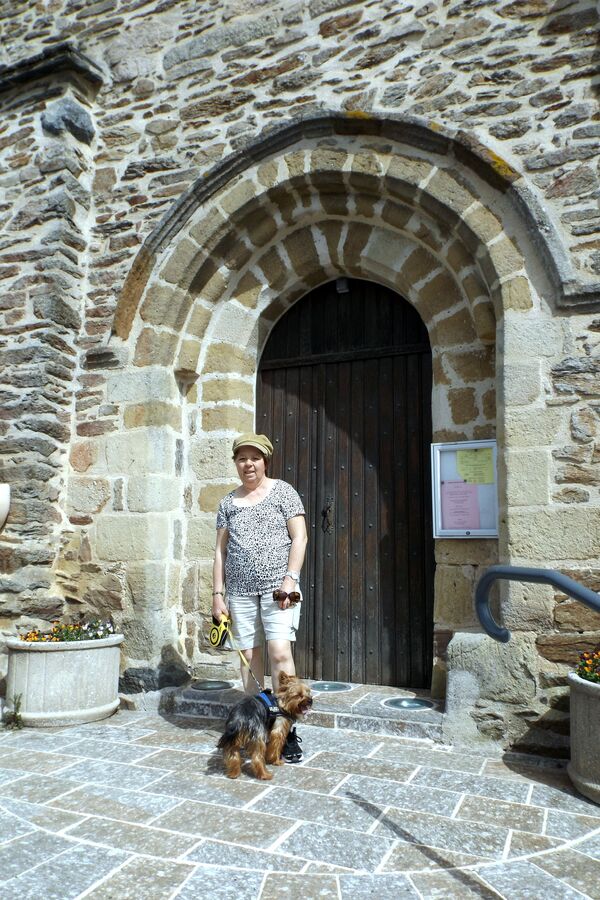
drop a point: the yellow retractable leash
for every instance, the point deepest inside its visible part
(220, 631)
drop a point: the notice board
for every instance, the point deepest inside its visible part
(465, 490)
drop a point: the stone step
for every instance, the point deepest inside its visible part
(362, 708)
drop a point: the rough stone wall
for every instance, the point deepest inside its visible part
(112, 111)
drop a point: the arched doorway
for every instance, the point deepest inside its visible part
(344, 388)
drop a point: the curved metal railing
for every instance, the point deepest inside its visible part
(524, 573)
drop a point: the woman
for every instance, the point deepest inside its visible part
(261, 541)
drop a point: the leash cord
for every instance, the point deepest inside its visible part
(243, 658)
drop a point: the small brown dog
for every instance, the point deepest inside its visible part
(260, 726)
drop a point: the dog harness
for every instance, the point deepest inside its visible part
(273, 709)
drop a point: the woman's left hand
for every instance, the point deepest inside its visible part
(288, 585)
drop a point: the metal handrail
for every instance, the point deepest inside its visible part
(524, 573)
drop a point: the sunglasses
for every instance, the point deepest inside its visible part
(295, 596)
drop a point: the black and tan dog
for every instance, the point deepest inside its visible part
(261, 728)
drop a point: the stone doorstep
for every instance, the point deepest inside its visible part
(374, 719)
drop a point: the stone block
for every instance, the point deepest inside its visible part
(534, 426)
(223, 389)
(141, 452)
(165, 306)
(387, 249)
(357, 238)
(227, 418)
(154, 413)
(261, 228)
(396, 214)
(556, 533)
(210, 457)
(505, 257)
(201, 535)
(187, 359)
(238, 197)
(522, 382)
(126, 537)
(235, 325)
(446, 189)
(155, 348)
(87, 495)
(527, 607)
(185, 259)
(503, 672)
(404, 175)
(463, 405)
(437, 295)
(532, 335)
(454, 329)
(208, 225)
(154, 493)
(484, 320)
(248, 290)
(147, 583)
(327, 159)
(419, 265)
(483, 223)
(274, 269)
(222, 357)
(474, 288)
(135, 386)
(528, 477)
(302, 253)
(516, 294)
(83, 455)
(478, 552)
(566, 648)
(198, 320)
(572, 616)
(212, 494)
(474, 365)
(454, 596)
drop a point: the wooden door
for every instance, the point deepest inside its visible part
(344, 392)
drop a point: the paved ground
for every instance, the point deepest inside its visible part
(137, 807)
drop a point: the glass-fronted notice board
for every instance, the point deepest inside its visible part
(465, 493)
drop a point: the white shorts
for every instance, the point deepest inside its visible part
(257, 616)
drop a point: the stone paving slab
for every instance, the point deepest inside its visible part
(138, 807)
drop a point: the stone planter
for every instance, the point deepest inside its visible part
(584, 767)
(4, 502)
(64, 683)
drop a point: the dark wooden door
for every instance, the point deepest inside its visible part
(344, 392)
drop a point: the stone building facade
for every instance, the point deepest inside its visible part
(175, 175)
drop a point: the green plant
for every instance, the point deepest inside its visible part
(12, 719)
(94, 630)
(588, 666)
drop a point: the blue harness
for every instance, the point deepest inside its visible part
(270, 702)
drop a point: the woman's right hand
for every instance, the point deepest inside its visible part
(219, 608)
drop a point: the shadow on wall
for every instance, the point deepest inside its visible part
(172, 671)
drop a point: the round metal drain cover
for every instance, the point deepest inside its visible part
(209, 685)
(330, 687)
(408, 703)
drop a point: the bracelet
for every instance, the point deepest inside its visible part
(295, 576)
(219, 593)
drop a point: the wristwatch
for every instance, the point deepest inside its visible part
(295, 576)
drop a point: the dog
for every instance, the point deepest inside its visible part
(261, 730)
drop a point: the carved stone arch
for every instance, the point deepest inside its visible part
(458, 164)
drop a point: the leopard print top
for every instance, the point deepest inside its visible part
(258, 542)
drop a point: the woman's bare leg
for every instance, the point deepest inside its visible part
(255, 658)
(281, 659)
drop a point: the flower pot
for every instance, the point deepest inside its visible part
(584, 767)
(64, 683)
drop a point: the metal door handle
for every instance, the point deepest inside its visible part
(326, 513)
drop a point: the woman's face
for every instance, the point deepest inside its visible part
(251, 465)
